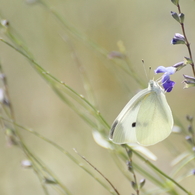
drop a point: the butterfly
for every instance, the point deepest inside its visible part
(146, 119)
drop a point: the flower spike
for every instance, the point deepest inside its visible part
(166, 82)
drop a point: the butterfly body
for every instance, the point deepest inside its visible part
(146, 119)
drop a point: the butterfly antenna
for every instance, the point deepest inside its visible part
(143, 63)
(150, 68)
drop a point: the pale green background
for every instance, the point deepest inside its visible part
(145, 27)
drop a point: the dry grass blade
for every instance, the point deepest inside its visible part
(97, 171)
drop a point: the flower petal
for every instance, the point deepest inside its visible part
(168, 85)
(165, 78)
(170, 70)
(160, 69)
(166, 82)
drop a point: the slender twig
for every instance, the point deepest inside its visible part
(97, 171)
(187, 42)
(131, 169)
(191, 131)
(60, 149)
(17, 136)
(76, 33)
(36, 162)
(161, 172)
(44, 72)
(85, 79)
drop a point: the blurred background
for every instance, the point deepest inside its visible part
(145, 28)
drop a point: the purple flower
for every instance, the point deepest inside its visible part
(178, 39)
(189, 81)
(166, 82)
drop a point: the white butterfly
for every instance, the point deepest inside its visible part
(146, 119)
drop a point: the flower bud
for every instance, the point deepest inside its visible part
(134, 185)
(50, 180)
(142, 182)
(130, 167)
(189, 139)
(5, 23)
(179, 65)
(115, 54)
(2, 95)
(130, 153)
(178, 39)
(190, 129)
(26, 163)
(11, 137)
(6, 102)
(189, 78)
(188, 84)
(181, 17)
(188, 117)
(175, 2)
(175, 16)
(189, 81)
(188, 60)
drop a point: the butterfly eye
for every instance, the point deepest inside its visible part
(134, 124)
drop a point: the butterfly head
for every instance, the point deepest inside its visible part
(154, 86)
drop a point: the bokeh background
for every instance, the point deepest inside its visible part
(146, 29)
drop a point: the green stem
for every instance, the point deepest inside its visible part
(187, 42)
(44, 72)
(64, 152)
(161, 172)
(73, 31)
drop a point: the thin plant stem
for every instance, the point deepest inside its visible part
(72, 30)
(131, 169)
(82, 70)
(97, 171)
(187, 42)
(46, 169)
(43, 72)
(21, 143)
(61, 150)
(161, 172)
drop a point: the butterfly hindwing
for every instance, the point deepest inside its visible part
(154, 120)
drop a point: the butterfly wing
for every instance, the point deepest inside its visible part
(124, 127)
(154, 119)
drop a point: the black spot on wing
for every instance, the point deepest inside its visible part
(133, 124)
(113, 128)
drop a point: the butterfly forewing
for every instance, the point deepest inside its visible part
(124, 127)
